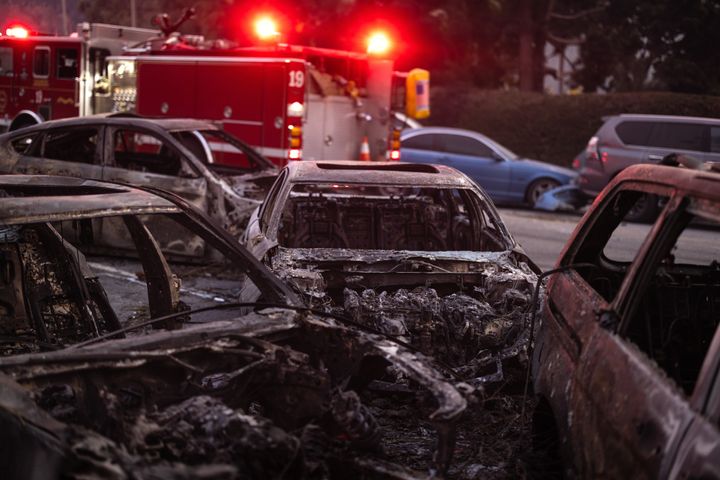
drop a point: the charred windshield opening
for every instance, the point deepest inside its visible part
(386, 218)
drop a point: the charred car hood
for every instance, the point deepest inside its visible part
(467, 309)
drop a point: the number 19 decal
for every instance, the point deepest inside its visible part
(297, 78)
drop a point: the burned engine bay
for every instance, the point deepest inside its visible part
(468, 310)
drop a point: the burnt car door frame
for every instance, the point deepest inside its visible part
(602, 418)
(194, 189)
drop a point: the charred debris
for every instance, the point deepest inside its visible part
(363, 383)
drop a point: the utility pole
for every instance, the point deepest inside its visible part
(64, 18)
(133, 14)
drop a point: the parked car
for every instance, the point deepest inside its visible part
(626, 364)
(630, 139)
(177, 155)
(401, 121)
(198, 382)
(506, 177)
(416, 251)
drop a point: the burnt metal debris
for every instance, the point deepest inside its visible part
(281, 391)
(472, 315)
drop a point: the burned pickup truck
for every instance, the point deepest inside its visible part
(150, 375)
(184, 156)
(415, 251)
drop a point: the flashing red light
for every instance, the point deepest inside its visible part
(378, 43)
(295, 154)
(266, 28)
(17, 31)
(395, 155)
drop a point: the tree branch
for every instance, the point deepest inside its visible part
(554, 39)
(578, 15)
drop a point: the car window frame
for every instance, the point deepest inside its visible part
(442, 143)
(98, 159)
(660, 129)
(168, 140)
(34, 151)
(432, 135)
(631, 268)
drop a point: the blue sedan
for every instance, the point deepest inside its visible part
(506, 177)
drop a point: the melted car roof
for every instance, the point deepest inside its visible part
(45, 198)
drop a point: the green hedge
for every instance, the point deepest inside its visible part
(553, 128)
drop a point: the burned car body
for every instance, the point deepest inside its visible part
(177, 155)
(626, 360)
(199, 381)
(415, 251)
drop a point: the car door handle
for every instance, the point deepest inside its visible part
(655, 158)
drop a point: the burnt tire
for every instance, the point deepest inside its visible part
(645, 210)
(537, 188)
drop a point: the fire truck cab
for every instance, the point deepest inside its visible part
(45, 77)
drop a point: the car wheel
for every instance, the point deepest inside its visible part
(645, 210)
(538, 187)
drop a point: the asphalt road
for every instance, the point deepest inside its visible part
(541, 234)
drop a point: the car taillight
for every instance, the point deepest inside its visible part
(576, 163)
(393, 152)
(592, 149)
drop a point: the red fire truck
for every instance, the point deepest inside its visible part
(290, 102)
(43, 77)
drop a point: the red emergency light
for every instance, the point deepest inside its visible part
(378, 43)
(266, 28)
(17, 31)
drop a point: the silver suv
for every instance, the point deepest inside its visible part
(628, 139)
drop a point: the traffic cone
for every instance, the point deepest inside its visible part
(365, 150)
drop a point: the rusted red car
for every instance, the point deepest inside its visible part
(626, 360)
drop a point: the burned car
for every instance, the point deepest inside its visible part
(134, 368)
(627, 358)
(187, 157)
(415, 251)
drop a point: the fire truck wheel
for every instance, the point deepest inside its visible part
(25, 118)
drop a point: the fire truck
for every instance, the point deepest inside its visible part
(290, 102)
(44, 77)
